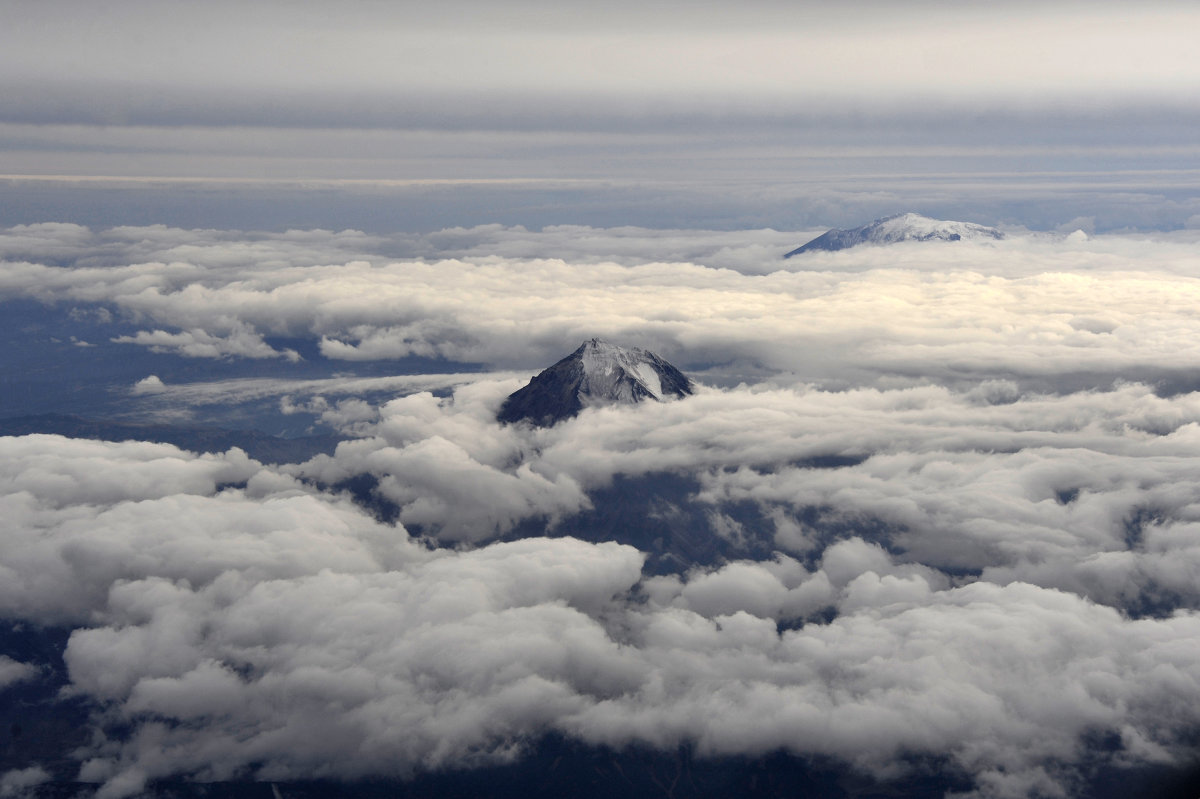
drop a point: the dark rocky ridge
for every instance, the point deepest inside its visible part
(258, 445)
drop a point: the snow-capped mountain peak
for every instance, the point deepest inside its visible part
(597, 373)
(901, 227)
(612, 371)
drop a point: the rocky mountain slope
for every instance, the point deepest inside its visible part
(598, 373)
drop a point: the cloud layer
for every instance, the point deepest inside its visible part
(240, 641)
(971, 468)
(1030, 308)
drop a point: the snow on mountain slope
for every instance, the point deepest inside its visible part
(598, 373)
(901, 227)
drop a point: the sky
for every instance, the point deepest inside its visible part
(779, 115)
(930, 512)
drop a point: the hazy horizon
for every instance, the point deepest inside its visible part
(790, 116)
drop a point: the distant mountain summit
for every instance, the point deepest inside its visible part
(901, 227)
(598, 373)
